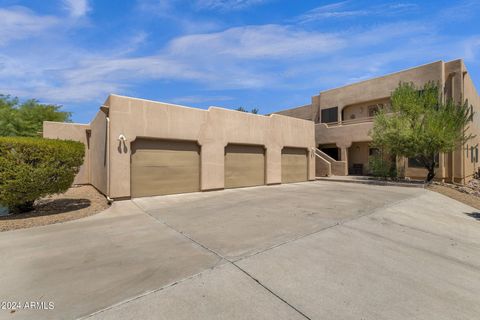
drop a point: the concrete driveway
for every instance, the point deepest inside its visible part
(317, 250)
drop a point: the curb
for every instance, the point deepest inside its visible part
(376, 182)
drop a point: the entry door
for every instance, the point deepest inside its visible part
(244, 166)
(294, 165)
(160, 167)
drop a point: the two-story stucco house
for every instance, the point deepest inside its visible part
(137, 147)
(344, 117)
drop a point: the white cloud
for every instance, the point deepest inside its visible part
(217, 60)
(77, 8)
(472, 48)
(20, 22)
(248, 57)
(227, 4)
(257, 42)
(346, 9)
(333, 10)
(266, 56)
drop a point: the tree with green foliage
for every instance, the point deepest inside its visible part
(242, 109)
(26, 118)
(421, 124)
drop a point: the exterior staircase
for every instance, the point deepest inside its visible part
(327, 166)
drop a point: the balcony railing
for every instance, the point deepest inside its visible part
(348, 122)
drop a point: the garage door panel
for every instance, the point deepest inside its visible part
(294, 165)
(164, 167)
(244, 166)
(156, 158)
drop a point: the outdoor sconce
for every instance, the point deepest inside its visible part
(122, 143)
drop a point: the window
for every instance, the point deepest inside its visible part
(329, 115)
(467, 151)
(476, 154)
(373, 109)
(416, 163)
(471, 154)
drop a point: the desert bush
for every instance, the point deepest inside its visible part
(31, 168)
(381, 167)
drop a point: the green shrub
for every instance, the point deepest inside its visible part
(31, 168)
(381, 167)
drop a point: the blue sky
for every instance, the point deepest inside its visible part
(270, 54)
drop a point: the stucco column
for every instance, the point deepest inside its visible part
(274, 164)
(344, 154)
(212, 166)
(343, 157)
(311, 163)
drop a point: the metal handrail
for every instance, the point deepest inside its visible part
(348, 122)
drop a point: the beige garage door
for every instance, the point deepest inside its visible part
(244, 166)
(162, 167)
(294, 165)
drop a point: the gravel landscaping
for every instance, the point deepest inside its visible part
(76, 203)
(468, 194)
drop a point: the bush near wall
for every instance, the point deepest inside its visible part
(381, 167)
(31, 168)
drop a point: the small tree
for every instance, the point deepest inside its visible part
(421, 125)
(26, 118)
(242, 109)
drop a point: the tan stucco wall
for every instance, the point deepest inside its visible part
(447, 74)
(358, 153)
(343, 135)
(213, 129)
(302, 112)
(452, 76)
(361, 110)
(473, 98)
(379, 88)
(98, 153)
(75, 132)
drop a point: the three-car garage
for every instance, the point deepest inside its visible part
(161, 167)
(141, 148)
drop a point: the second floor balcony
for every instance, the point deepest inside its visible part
(348, 122)
(344, 132)
(351, 123)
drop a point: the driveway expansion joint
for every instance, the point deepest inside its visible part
(222, 258)
(233, 261)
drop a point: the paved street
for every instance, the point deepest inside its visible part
(316, 250)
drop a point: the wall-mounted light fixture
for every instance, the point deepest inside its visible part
(122, 145)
